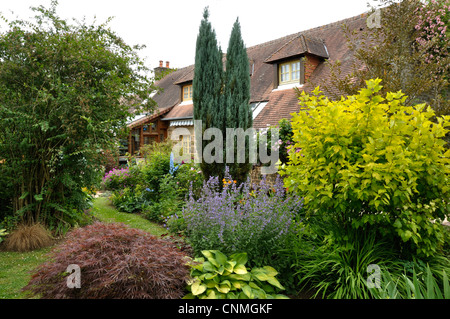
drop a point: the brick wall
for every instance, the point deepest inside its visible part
(311, 64)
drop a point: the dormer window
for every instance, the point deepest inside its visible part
(187, 92)
(295, 61)
(289, 72)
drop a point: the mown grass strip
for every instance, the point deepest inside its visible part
(15, 270)
(106, 212)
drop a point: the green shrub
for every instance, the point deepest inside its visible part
(220, 277)
(130, 200)
(117, 179)
(186, 175)
(6, 195)
(156, 165)
(59, 107)
(427, 287)
(169, 202)
(2, 234)
(371, 160)
(339, 271)
(286, 134)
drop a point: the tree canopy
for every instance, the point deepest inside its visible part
(65, 94)
(409, 50)
(207, 87)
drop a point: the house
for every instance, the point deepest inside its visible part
(277, 67)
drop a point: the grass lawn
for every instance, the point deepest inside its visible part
(15, 271)
(106, 212)
(15, 267)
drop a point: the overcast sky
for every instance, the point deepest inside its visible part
(169, 28)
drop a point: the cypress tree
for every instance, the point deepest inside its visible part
(236, 99)
(207, 86)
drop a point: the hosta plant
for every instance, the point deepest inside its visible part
(222, 277)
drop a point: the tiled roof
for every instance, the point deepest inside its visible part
(142, 120)
(181, 111)
(188, 75)
(326, 41)
(299, 45)
(281, 104)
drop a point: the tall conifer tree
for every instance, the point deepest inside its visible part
(207, 86)
(237, 97)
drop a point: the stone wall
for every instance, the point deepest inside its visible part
(256, 176)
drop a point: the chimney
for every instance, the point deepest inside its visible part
(161, 68)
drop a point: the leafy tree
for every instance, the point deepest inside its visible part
(370, 160)
(237, 97)
(409, 50)
(207, 87)
(65, 92)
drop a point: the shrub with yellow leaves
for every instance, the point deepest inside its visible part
(371, 160)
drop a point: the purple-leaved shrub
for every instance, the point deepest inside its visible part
(256, 219)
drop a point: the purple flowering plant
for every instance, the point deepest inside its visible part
(232, 218)
(117, 179)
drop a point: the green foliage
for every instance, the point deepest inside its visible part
(65, 92)
(5, 193)
(285, 134)
(118, 178)
(156, 166)
(420, 287)
(284, 142)
(168, 204)
(155, 187)
(221, 98)
(130, 200)
(187, 175)
(408, 51)
(2, 234)
(237, 97)
(207, 86)
(338, 269)
(222, 277)
(371, 160)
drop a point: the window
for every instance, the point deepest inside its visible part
(149, 139)
(135, 140)
(289, 72)
(187, 92)
(186, 140)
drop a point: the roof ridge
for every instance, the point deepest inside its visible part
(296, 34)
(284, 45)
(181, 70)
